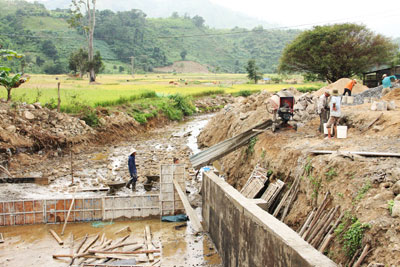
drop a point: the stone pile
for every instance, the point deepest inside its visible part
(305, 107)
(26, 122)
(370, 95)
(209, 104)
(383, 106)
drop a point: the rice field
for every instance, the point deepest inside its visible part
(116, 89)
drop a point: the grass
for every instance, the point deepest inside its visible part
(111, 90)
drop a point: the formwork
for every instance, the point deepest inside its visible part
(167, 202)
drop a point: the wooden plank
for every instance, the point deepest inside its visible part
(361, 153)
(125, 252)
(1, 238)
(189, 210)
(225, 147)
(148, 242)
(69, 212)
(56, 237)
(20, 180)
(119, 246)
(272, 192)
(127, 228)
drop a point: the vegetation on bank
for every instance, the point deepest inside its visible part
(117, 90)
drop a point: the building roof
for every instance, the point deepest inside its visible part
(379, 67)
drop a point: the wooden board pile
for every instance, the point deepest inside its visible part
(101, 251)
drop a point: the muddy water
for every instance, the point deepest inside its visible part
(95, 167)
(34, 246)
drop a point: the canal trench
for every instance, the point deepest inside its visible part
(94, 167)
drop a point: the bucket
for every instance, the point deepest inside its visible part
(341, 131)
(350, 100)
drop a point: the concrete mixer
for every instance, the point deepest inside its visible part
(281, 106)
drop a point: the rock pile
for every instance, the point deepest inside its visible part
(209, 104)
(383, 105)
(23, 125)
(370, 95)
(305, 107)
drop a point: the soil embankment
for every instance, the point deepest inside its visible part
(362, 187)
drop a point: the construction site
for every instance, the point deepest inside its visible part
(247, 190)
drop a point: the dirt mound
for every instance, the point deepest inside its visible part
(340, 85)
(392, 95)
(184, 67)
(23, 125)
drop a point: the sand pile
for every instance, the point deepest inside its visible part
(340, 85)
(392, 95)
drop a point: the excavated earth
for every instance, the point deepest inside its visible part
(360, 186)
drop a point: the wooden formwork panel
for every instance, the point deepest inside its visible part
(21, 212)
(131, 207)
(170, 202)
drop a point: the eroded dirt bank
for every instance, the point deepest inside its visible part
(362, 187)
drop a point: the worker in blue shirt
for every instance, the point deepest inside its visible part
(132, 170)
(387, 83)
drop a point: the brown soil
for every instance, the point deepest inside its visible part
(184, 67)
(340, 85)
(287, 152)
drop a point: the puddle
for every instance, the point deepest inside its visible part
(178, 247)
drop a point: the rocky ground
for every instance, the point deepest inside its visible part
(363, 187)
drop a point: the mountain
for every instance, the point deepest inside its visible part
(215, 15)
(46, 39)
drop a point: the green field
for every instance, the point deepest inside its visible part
(118, 89)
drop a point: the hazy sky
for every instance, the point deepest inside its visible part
(381, 17)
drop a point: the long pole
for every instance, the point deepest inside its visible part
(59, 97)
(133, 66)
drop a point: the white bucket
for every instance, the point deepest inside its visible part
(350, 100)
(341, 131)
(344, 100)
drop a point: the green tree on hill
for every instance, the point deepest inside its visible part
(183, 54)
(336, 51)
(198, 21)
(78, 62)
(253, 72)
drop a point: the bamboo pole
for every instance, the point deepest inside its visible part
(307, 222)
(148, 242)
(362, 256)
(69, 212)
(56, 237)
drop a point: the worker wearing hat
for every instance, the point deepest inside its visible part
(335, 112)
(349, 87)
(323, 109)
(132, 170)
(387, 83)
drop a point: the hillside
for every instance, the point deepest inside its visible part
(47, 40)
(214, 15)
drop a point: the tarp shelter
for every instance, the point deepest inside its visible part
(373, 77)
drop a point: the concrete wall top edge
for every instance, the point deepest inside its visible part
(267, 221)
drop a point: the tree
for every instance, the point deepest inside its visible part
(336, 51)
(49, 49)
(198, 21)
(86, 21)
(252, 71)
(8, 80)
(183, 54)
(78, 62)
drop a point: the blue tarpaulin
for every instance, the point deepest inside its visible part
(175, 218)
